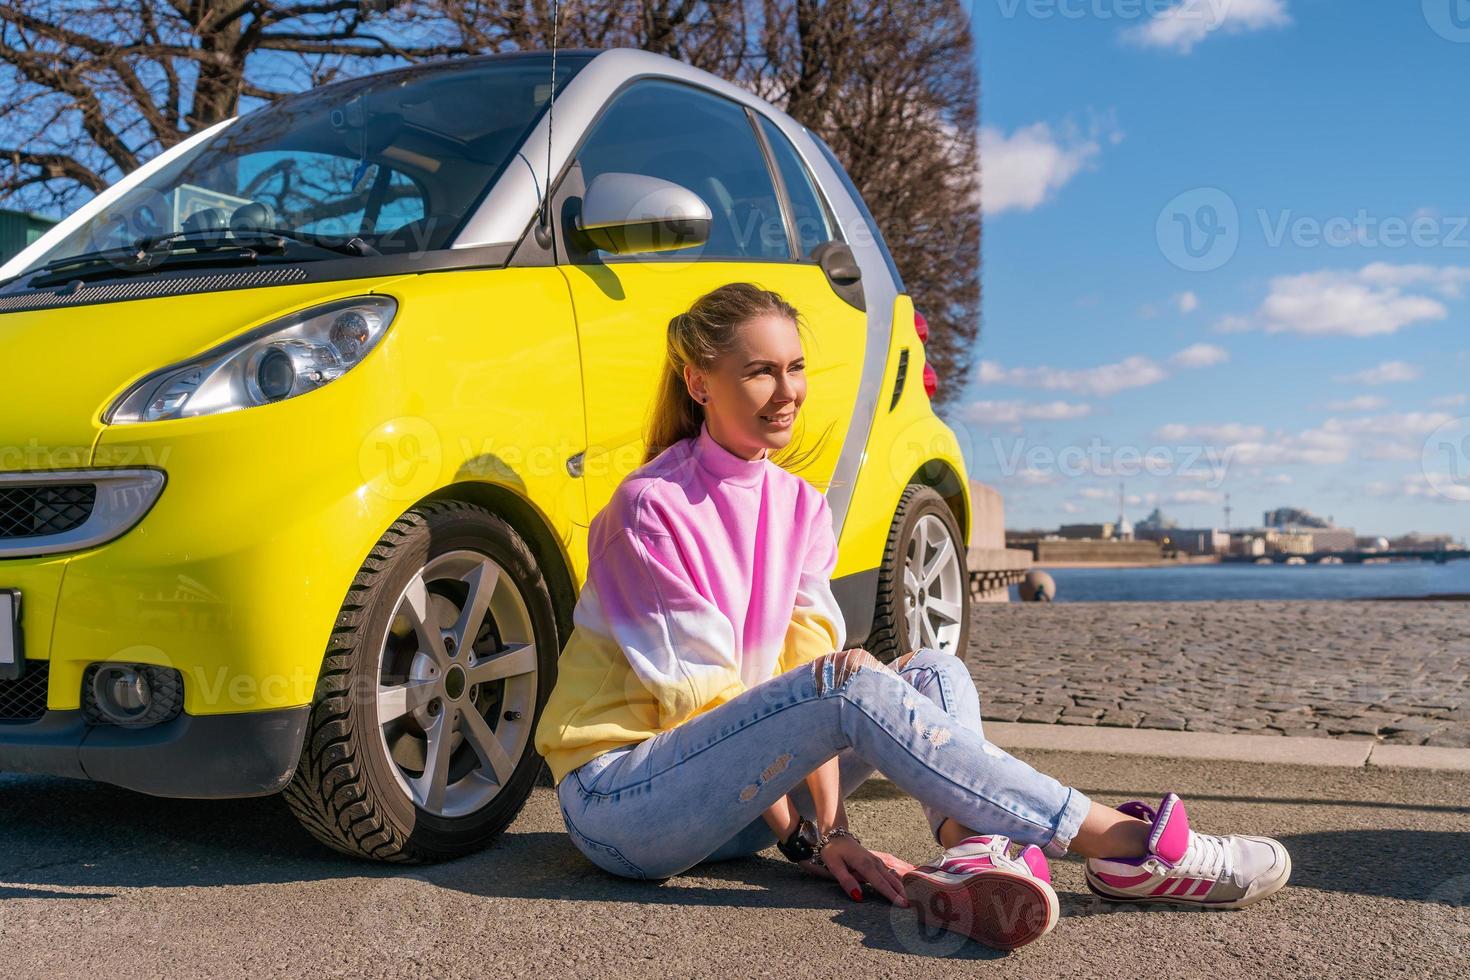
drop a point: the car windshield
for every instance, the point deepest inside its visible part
(397, 160)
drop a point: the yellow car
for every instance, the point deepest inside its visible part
(303, 424)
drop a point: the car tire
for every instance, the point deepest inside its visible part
(923, 527)
(371, 722)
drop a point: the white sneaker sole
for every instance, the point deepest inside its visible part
(1000, 908)
(1271, 887)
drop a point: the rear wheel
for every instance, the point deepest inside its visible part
(923, 598)
(420, 742)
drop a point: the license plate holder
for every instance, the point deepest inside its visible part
(12, 651)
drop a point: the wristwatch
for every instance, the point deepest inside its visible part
(803, 843)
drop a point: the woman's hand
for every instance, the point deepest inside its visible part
(851, 864)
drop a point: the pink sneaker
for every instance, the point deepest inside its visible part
(978, 889)
(1186, 868)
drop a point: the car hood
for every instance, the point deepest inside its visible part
(62, 367)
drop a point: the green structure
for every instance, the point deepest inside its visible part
(18, 229)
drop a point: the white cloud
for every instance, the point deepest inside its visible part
(1331, 303)
(1451, 401)
(1015, 412)
(1362, 403)
(1414, 486)
(1187, 302)
(1186, 497)
(1200, 356)
(1179, 28)
(1389, 372)
(1102, 493)
(1105, 379)
(1395, 436)
(1234, 323)
(1448, 281)
(1212, 434)
(1377, 299)
(1025, 169)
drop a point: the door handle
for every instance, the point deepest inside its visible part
(843, 272)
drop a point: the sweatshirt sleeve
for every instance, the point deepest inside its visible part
(680, 644)
(817, 627)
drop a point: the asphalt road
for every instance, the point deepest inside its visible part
(99, 882)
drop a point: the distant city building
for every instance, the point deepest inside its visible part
(1085, 532)
(1156, 519)
(1249, 545)
(18, 229)
(1321, 534)
(1188, 541)
(1414, 541)
(1294, 543)
(1292, 517)
(1334, 539)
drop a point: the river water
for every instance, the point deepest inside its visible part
(1193, 583)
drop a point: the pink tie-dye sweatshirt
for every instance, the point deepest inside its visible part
(708, 574)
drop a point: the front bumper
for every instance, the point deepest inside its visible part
(251, 753)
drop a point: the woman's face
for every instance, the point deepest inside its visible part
(753, 392)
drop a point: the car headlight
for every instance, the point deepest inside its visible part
(281, 359)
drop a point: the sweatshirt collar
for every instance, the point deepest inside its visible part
(723, 464)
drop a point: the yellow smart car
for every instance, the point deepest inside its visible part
(303, 424)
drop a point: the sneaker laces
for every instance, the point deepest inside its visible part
(1205, 857)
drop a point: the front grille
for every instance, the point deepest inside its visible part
(25, 699)
(55, 508)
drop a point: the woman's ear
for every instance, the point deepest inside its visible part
(694, 381)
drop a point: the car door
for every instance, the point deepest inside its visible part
(768, 221)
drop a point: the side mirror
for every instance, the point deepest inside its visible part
(628, 213)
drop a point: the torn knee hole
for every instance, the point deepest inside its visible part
(833, 670)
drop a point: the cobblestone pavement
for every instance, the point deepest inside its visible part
(1389, 671)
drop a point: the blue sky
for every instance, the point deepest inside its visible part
(1226, 251)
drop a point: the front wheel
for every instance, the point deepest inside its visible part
(420, 746)
(923, 598)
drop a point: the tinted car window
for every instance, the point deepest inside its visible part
(813, 227)
(872, 231)
(398, 158)
(701, 142)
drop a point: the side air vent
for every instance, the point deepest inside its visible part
(903, 373)
(148, 287)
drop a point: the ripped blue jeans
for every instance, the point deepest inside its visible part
(697, 791)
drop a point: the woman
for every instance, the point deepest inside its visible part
(705, 708)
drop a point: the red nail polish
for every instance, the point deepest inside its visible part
(857, 894)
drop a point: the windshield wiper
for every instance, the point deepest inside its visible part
(150, 252)
(353, 246)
